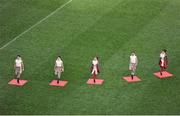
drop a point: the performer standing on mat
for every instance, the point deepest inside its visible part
(133, 64)
(95, 68)
(18, 67)
(58, 68)
(163, 61)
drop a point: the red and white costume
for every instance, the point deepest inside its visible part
(95, 67)
(163, 60)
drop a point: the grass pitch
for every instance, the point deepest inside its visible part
(110, 29)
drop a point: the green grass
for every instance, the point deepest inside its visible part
(110, 29)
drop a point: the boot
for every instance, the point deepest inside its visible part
(58, 81)
(18, 80)
(132, 77)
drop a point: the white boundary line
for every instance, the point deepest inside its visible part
(52, 13)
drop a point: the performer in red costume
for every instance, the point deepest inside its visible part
(163, 61)
(95, 68)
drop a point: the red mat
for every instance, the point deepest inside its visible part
(164, 74)
(14, 82)
(61, 83)
(130, 80)
(98, 82)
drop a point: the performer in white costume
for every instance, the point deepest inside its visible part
(18, 67)
(58, 68)
(133, 64)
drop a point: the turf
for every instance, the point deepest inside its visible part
(110, 29)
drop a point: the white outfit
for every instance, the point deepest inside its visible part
(59, 68)
(18, 67)
(133, 59)
(18, 63)
(133, 62)
(95, 67)
(59, 63)
(162, 56)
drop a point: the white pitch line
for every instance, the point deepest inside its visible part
(52, 13)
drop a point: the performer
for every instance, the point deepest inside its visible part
(133, 64)
(95, 68)
(163, 61)
(58, 68)
(19, 67)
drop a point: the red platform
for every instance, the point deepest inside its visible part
(98, 82)
(164, 74)
(130, 80)
(14, 82)
(61, 83)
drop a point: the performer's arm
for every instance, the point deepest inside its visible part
(159, 61)
(62, 67)
(55, 66)
(136, 61)
(22, 65)
(98, 68)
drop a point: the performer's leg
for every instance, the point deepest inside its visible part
(94, 76)
(19, 72)
(161, 70)
(132, 74)
(16, 74)
(58, 77)
(18, 77)
(17, 80)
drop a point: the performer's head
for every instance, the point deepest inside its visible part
(18, 57)
(96, 58)
(59, 58)
(133, 53)
(165, 50)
